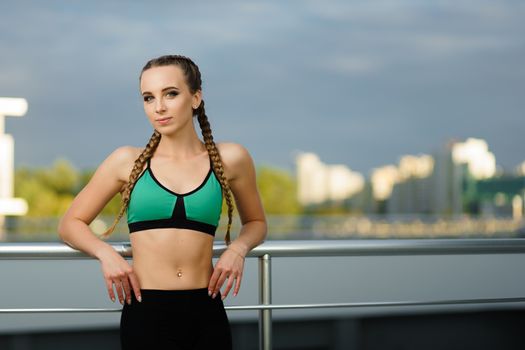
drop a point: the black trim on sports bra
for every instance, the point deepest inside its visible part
(173, 192)
(170, 223)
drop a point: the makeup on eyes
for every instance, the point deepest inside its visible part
(147, 97)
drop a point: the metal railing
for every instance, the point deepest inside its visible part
(295, 248)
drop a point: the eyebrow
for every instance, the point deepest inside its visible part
(166, 88)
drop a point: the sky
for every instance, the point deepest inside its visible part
(359, 83)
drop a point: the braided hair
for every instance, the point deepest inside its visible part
(193, 79)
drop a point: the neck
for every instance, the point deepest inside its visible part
(180, 146)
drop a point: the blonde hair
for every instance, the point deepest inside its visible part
(193, 79)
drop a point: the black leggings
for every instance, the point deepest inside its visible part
(176, 320)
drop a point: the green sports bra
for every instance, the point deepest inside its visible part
(152, 205)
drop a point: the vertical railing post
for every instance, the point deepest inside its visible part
(265, 298)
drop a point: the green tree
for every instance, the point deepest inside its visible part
(278, 190)
(50, 191)
(62, 177)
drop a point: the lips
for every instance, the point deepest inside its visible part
(164, 121)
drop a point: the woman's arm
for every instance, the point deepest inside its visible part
(247, 200)
(74, 230)
(103, 186)
(240, 171)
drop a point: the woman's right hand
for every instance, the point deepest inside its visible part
(119, 272)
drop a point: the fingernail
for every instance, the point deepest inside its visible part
(224, 296)
(209, 293)
(214, 294)
(121, 302)
(139, 299)
(129, 301)
(113, 299)
(234, 294)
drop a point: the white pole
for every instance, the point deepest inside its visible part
(15, 107)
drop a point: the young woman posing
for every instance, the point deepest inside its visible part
(172, 191)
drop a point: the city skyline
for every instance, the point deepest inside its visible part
(459, 180)
(319, 181)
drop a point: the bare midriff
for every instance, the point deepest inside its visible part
(172, 258)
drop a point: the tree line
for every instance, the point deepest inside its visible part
(49, 191)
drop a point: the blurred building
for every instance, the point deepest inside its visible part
(411, 192)
(318, 183)
(435, 184)
(498, 196)
(383, 180)
(481, 163)
(520, 169)
(458, 178)
(459, 164)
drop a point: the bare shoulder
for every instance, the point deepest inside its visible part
(109, 178)
(233, 154)
(126, 153)
(122, 160)
(235, 157)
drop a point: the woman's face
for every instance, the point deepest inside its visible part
(167, 99)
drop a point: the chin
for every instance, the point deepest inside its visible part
(167, 131)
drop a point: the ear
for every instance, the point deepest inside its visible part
(196, 98)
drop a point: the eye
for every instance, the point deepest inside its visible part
(147, 98)
(172, 93)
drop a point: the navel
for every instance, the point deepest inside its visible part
(179, 273)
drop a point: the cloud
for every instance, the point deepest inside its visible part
(435, 44)
(402, 13)
(352, 65)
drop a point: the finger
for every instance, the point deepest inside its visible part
(237, 285)
(135, 285)
(109, 286)
(221, 280)
(127, 289)
(213, 280)
(118, 286)
(228, 286)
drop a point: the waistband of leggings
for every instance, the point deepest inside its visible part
(174, 292)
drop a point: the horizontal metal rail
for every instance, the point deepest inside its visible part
(289, 306)
(288, 248)
(296, 248)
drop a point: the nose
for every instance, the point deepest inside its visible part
(160, 107)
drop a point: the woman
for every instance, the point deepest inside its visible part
(172, 191)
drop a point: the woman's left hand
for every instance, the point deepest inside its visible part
(230, 266)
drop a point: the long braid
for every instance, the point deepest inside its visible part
(193, 79)
(135, 172)
(216, 162)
